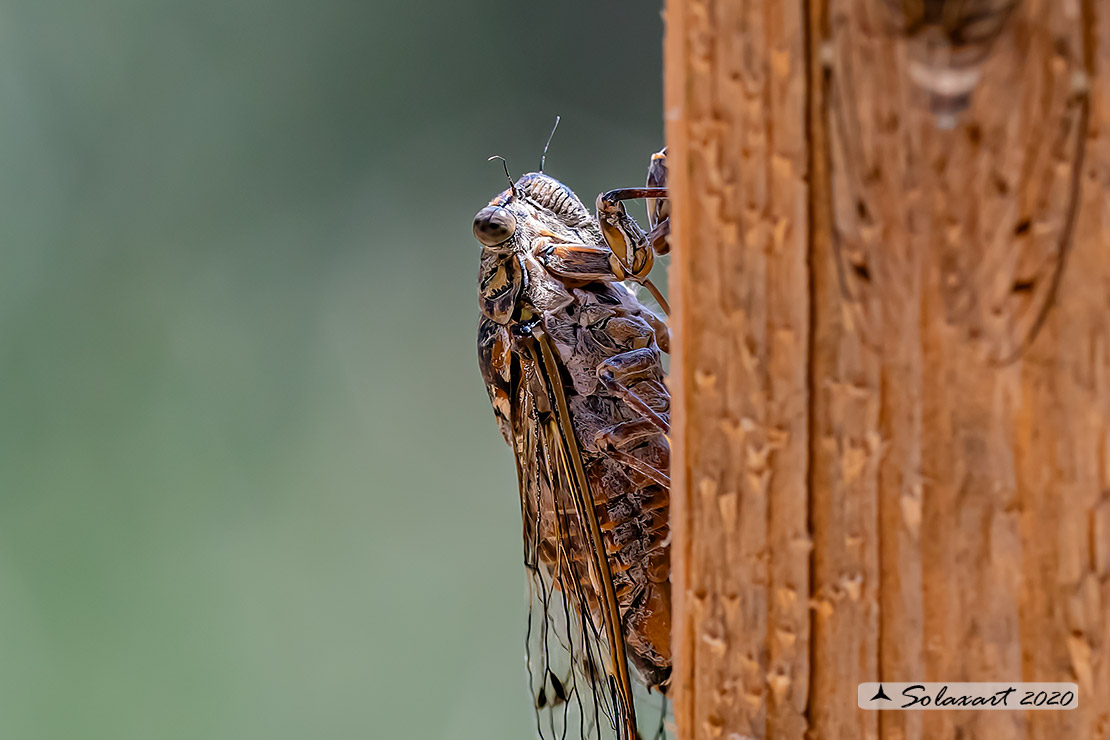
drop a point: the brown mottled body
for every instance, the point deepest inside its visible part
(572, 361)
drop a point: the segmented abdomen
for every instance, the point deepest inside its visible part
(632, 507)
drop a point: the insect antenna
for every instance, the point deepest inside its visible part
(543, 157)
(505, 164)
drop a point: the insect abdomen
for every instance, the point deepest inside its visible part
(632, 506)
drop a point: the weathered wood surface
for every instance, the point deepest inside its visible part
(866, 484)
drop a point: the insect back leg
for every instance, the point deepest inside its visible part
(632, 376)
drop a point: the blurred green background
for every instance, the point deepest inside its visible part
(250, 485)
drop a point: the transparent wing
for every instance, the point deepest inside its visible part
(580, 684)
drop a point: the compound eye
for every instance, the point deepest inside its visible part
(494, 225)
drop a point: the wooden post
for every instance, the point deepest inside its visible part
(874, 477)
(736, 137)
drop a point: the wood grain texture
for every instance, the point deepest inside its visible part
(737, 127)
(868, 484)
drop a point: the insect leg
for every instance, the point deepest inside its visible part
(612, 197)
(610, 441)
(626, 434)
(621, 372)
(588, 263)
(633, 250)
(615, 440)
(659, 235)
(659, 209)
(580, 262)
(623, 235)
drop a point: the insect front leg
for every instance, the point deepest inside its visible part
(624, 236)
(588, 263)
(584, 263)
(634, 251)
(621, 231)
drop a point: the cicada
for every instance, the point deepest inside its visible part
(573, 364)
